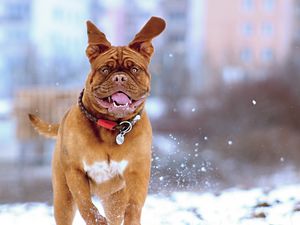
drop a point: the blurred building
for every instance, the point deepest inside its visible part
(244, 38)
(295, 46)
(183, 41)
(58, 34)
(41, 42)
(15, 16)
(195, 46)
(175, 70)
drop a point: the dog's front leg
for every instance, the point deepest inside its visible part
(133, 213)
(137, 184)
(79, 186)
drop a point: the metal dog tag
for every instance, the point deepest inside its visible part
(120, 138)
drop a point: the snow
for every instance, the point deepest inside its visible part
(164, 143)
(280, 206)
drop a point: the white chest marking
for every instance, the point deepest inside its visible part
(102, 171)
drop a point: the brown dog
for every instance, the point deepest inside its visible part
(103, 144)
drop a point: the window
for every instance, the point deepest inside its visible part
(17, 10)
(2, 37)
(177, 15)
(247, 29)
(269, 5)
(297, 34)
(2, 9)
(267, 29)
(297, 9)
(232, 74)
(248, 5)
(246, 55)
(17, 35)
(176, 38)
(267, 54)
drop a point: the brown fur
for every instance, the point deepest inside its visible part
(48, 130)
(79, 139)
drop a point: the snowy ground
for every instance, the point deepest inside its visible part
(232, 207)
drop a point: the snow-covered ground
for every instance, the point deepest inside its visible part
(280, 206)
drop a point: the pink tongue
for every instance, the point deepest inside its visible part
(120, 98)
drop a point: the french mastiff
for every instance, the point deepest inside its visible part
(103, 145)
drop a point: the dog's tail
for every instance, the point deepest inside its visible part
(46, 129)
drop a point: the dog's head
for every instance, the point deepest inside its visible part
(119, 81)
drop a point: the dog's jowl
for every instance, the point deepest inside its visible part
(103, 145)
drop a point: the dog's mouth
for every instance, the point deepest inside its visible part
(120, 104)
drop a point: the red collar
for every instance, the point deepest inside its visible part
(108, 124)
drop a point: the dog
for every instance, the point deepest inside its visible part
(103, 145)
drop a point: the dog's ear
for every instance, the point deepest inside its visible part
(97, 42)
(142, 40)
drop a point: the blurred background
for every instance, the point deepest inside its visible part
(225, 103)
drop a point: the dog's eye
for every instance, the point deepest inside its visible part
(134, 70)
(104, 70)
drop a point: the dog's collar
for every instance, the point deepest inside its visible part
(123, 127)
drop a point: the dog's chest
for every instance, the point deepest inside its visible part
(102, 171)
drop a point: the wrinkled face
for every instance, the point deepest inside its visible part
(119, 81)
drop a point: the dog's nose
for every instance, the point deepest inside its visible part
(119, 78)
